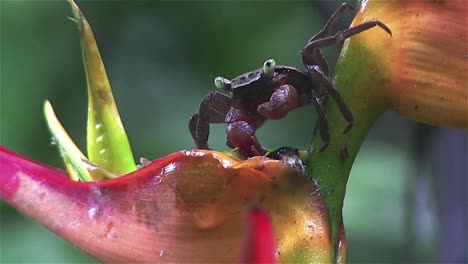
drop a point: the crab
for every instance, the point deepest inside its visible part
(272, 91)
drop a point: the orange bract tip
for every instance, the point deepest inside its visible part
(424, 66)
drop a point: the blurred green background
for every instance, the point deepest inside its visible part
(406, 200)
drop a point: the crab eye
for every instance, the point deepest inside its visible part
(269, 67)
(222, 83)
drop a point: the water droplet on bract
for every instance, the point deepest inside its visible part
(311, 225)
(100, 137)
(98, 126)
(194, 153)
(93, 212)
(161, 253)
(110, 230)
(157, 180)
(169, 168)
(53, 141)
(209, 216)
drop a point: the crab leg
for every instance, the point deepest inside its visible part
(213, 109)
(344, 34)
(332, 22)
(311, 55)
(316, 73)
(322, 120)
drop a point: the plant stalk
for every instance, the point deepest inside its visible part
(359, 78)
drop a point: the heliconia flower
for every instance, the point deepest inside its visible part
(423, 69)
(189, 206)
(259, 245)
(419, 71)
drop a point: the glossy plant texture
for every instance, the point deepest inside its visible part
(189, 205)
(419, 71)
(425, 65)
(205, 206)
(256, 243)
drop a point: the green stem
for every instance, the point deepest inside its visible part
(360, 79)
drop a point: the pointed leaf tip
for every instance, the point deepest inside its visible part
(71, 154)
(77, 15)
(107, 142)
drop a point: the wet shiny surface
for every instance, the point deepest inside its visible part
(187, 205)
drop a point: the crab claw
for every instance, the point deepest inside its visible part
(283, 100)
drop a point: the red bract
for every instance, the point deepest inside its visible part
(259, 245)
(188, 206)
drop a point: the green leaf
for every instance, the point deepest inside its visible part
(107, 141)
(72, 156)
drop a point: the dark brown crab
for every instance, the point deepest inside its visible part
(272, 91)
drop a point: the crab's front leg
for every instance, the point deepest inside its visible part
(241, 132)
(213, 109)
(284, 99)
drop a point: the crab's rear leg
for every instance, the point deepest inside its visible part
(322, 119)
(320, 78)
(332, 21)
(213, 109)
(313, 60)
(344, 34)
(312, 55)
